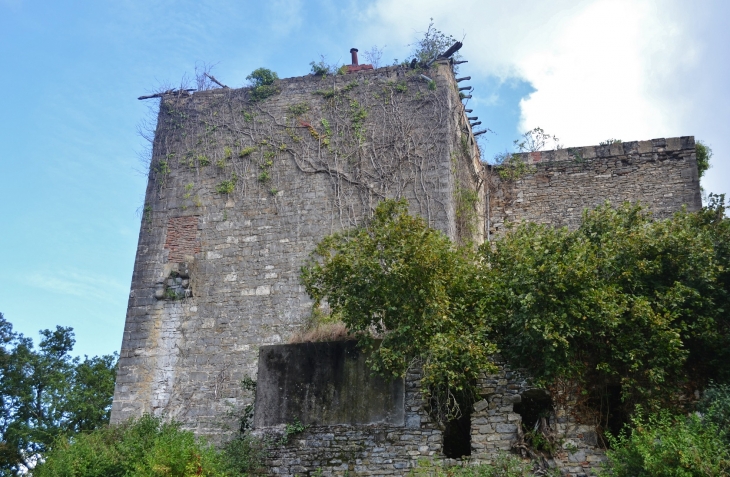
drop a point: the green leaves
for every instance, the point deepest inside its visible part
(623, 301)
(662, 444)
(401, 280)
(143, 447)
(624, 304)
(263, 85)
(45, 393)
(704, 154)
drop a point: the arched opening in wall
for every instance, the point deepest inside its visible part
(611, 411)
(534, 405)
(457, 435)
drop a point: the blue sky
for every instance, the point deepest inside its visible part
(71, 183)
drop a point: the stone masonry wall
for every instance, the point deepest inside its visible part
(394, 450)
(239, 194)
(359, 450)
(661, 174)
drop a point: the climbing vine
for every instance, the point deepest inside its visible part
(372, 135)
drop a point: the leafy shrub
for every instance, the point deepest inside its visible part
(322, 68)
(715, 408)
(262, 84)
(244, 455)
(666, 445)
(141, 447)
(433, 43)
(704, 154)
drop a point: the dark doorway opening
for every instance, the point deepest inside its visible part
(534, 405)
(457, 435)
(612, 411)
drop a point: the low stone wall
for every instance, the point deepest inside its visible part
(386, 449)
(375, 449)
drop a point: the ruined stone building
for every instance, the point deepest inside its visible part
(243, 185)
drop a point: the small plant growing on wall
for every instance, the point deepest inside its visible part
(226, 187)
(246, 151)
(263, 85)
(512, 167)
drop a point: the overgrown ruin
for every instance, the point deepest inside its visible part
(241, 189)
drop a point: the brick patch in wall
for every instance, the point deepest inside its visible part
(182, 237)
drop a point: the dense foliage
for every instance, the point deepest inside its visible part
(704, 154)
(262, 81)
(45, 393)
(622, 303)
(631, 310)
(665, 445)
(400, 280)
(143, 447)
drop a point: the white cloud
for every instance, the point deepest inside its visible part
(78, 283)
(627, 69)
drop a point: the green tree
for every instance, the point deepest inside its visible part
(625, 304)
(46, 393)
(398, 279)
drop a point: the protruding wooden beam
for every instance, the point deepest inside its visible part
(164, 93)
(454, 48)
(212, 78)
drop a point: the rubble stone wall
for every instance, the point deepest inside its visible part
(241, 191)
(339, 450)
(559, 185)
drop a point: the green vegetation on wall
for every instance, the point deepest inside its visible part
(627, 309)
(704, 154)
(263, 84)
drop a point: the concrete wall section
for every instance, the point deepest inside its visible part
(326, 383)
(375, 449)
(559, 185)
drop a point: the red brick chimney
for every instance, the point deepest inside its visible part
(355, 66)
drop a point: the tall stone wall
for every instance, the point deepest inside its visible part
(240, 192)
(558, 185)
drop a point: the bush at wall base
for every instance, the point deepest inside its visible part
(142, 447)
(666, 445)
